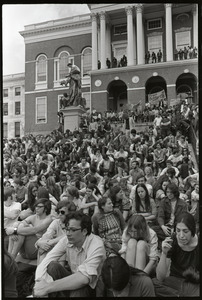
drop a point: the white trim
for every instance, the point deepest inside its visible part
(40, 37)
(82, 59)
(97, 92)
(151, 20)
(178, 33)
(59, 96)
(37, 98)
(171, 85)
(138, 88)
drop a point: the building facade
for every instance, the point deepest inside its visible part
(113, 46)
(13, 105)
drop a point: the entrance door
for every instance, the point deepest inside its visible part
(117, 98)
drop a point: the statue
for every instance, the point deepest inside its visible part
(74, 80)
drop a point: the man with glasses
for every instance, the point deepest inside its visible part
(85, 254)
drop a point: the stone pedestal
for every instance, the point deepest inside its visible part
(72, 116)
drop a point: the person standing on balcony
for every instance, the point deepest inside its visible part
(108, 63)
(153, 57)
(159, 55)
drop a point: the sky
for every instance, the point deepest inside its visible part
(15, 17)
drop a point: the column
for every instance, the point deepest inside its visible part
(130, 46)
(94, 41)
(195, 25)
(108, 41)
(140, 35)
(102, 39)
(169, 35)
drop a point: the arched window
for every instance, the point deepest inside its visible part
(60, 66)
(41, 72)
(41, 68)
(86, 60)
(63, 61)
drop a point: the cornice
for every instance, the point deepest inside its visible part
(49, 29)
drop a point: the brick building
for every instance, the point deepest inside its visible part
(110, 30)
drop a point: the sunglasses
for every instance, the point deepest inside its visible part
(62, 212)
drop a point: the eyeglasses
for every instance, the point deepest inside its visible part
(35, 190)
(39, 206)
(72, 230)
(62, 212)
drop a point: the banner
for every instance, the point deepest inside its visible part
(174, 101)
(155, 98)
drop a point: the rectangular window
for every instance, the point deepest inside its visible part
(17, 129)
(183, 39)
(120, 29)
(17, 91)
(5, 130)
(5, 109)
(17, 108)
(154, 24)
(5, 93)
(41, 110)
(155, 43)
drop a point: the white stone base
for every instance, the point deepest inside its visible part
(72, 116)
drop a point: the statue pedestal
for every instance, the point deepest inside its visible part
(72, 116)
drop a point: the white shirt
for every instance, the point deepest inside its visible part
(14, 206)
(88, 260)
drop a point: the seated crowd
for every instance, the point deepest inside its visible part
(102, 212)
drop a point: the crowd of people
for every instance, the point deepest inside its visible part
(104, 210)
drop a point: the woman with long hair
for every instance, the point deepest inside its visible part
(53, 188)
(139, 244)
(177, 273)
(143, 204)
(120, 200)
(32, 193)
(109, 224)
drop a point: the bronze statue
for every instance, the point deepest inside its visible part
(74, 80)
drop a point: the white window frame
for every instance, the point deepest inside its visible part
(160, 47)
(7, 94)
(37, 99)
(118, 45)
(17, 87)
(152, 21)
(59, 96)
(15, 108)
(40, 84)
(57, 66)
(6, 104)
(119, 25)
(15, 128)
(6, 123)
(86, 78)
(178, 33)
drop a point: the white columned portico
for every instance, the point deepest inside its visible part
(140, 35)
(94, 41)
(103, 39)
(130, 36)
(169, 36)
(195, 25)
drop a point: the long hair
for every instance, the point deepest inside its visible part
(52, 187)
(138, 202)
(139, 223)
(31, 198)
